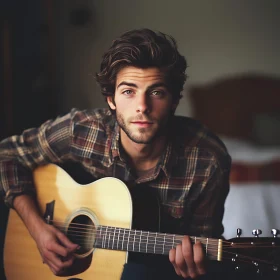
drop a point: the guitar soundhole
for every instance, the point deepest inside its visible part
(81, 231)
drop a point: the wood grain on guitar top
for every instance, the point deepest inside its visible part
(107, 199)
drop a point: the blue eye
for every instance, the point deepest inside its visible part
(128, 92)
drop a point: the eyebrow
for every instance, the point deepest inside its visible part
(151, 87)
(127, 84)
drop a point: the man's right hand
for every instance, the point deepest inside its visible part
(55, 248)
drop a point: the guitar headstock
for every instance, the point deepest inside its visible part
(255, 254)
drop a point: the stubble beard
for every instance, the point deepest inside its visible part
(141, 138)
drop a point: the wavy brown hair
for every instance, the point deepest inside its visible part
(143, 48)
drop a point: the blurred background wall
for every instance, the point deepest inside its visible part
(219, 38)
(28, 89)
(51, 50)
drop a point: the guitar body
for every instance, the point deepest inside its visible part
(105, 202)
(107, 214)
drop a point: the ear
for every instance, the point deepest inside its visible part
(111, 102)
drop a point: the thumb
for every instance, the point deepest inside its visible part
(66, 242)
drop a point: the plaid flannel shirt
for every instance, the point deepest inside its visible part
(191, 177)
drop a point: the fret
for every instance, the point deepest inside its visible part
(104, 238)
(163, 248)
(113, 238)
(108, 246)
(152, 240)
(133, 248)
(139, 250)
(147, 242)
(128, 239)
(123, 238)
(206, 249)
(173, 243)
(101, 236)
(118, 238)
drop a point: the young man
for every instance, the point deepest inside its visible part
(138, 140)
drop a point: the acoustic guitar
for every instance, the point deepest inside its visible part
(102, 217)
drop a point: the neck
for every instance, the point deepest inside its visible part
(143, 156)
(150, 242)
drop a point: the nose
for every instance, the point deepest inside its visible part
(142, 104)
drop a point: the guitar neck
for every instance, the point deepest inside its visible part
(115, 238)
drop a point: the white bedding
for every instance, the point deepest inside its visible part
(253, 205)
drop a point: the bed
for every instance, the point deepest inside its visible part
(245, 112)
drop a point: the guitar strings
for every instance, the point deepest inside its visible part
(79, 233)
(164, 240)
(112, 230)
(154, 248)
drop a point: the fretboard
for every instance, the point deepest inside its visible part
(130, 240)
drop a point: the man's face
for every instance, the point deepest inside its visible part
(142, 102)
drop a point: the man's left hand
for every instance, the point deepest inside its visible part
(188, 260)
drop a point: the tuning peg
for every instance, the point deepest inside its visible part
(238, 232)
(256, 232)
(275, 232)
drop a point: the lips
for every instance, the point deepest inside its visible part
(137, 122)
(142, 123)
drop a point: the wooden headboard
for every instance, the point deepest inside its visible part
(228, 106)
